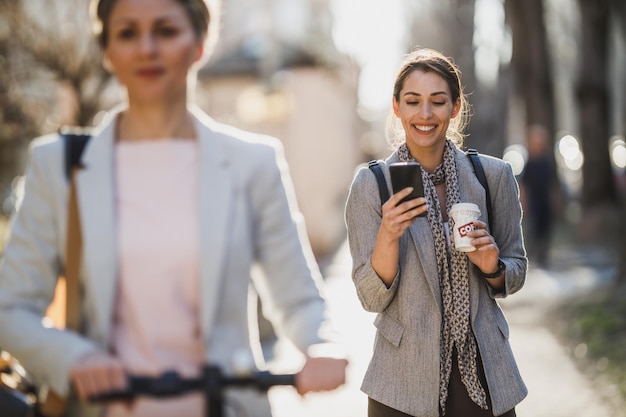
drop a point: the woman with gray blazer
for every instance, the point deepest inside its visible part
(441, 345)
(176, 211)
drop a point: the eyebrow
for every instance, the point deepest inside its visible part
(436, 93)
(130, 20)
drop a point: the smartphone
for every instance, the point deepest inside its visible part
(407, 174)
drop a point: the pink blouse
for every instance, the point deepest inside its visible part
(156, 323)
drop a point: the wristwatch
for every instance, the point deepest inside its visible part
(499, 271)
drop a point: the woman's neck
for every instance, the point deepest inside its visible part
(429, 158)
(155, 122)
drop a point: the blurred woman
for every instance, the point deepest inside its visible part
(442, 340)
(175, 210)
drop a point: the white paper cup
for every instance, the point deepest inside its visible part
(462, 215)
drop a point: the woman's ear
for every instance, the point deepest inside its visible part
(395, 106)
(455, 109)
(199, 52)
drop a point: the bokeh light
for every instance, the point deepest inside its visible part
(569, 149)
(516, 155)
(618, 151)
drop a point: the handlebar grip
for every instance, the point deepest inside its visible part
(262, 380)
(112, 396)
(168, 384)
(266, 380)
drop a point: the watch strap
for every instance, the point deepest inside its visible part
(499, 271)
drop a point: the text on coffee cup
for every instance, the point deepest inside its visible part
(465, 229)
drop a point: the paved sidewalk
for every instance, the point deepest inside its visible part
(556, 386)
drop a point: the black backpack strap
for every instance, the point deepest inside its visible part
(74, 141)
(482, 178)
(380, 177)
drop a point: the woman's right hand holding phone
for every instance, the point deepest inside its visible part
(397, 217)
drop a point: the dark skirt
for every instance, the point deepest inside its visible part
(458, 404)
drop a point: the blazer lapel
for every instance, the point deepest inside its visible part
(96, 201)
(423, 240)
(216, 190)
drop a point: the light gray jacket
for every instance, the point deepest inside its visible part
(248, 216)
(404, 369)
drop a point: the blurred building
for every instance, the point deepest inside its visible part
(276, 71)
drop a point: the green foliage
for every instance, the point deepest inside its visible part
(598, 324)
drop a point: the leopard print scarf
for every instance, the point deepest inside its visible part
(453, 270)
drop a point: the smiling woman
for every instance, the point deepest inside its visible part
(437, 324)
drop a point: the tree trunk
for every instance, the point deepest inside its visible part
(618, 10)
(601, 221)
(487, 129)
(592, 93)
(532, 69)
(461, 29)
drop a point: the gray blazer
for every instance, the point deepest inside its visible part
(248, 217)
(404, 369)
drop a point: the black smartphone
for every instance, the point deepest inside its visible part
(407, 174)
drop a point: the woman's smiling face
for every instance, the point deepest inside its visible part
(425, 108)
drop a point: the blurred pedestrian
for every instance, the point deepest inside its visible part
(540, 193)
(442, 340)
(175, 210)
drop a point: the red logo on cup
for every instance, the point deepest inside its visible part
(465, 229)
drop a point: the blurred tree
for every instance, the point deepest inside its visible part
(593, 99)
(487, 130)
(63, 45)
(16, 123)
(532, 69)
(618, 11)
(52, 74)
(460, 26)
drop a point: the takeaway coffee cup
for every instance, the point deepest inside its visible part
(463, 215)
